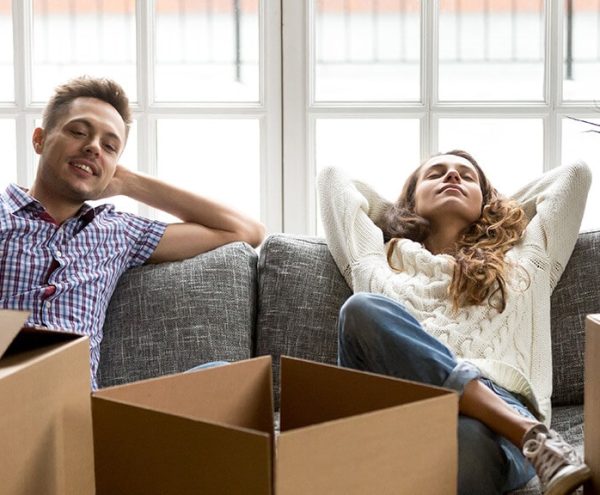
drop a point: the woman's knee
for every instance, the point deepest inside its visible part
(359, 314)
(357, 305)
(354, 313)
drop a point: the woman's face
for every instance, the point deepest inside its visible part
(448, 189)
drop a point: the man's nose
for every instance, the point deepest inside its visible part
(92, 146)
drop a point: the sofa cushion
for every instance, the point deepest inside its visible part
(300, 294)
(170, 317)
(576, 295)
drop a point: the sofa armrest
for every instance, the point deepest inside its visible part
(170, 317)
(591, 411)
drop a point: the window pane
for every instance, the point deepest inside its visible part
(8, 172)
(510, 151)
(491, 50)
(219, 158)
(82, 37)
(381, 152)
(367, 50)
(582, 50)
(7, 86)
(579, 144)
(207, 51)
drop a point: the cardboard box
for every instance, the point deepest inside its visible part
(591, 407)
(342, 432)
(46, 444)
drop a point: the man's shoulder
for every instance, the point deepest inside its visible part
(14, 198)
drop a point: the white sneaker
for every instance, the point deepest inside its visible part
(557, 464)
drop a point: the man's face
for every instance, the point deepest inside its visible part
(78, 157)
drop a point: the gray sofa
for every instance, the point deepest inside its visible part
(232, 304)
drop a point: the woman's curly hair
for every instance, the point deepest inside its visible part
(480, 268)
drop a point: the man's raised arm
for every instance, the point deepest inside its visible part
(206, 224)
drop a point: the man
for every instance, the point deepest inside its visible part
(60, 258)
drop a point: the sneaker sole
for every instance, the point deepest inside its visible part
(569, 481)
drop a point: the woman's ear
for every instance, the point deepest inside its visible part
(38, 140)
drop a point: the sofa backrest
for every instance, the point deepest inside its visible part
(301, 291)
(171, 317)
(576, 295)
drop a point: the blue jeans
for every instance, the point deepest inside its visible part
(377, 334)
(209, 364)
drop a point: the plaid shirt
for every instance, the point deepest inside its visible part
(65, 274)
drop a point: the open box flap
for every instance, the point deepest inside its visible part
(359, 433)
(379, 452)
(142, 451)
(235, 395)
(313, 393)
(11, 323)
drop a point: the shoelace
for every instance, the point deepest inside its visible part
(548, 453)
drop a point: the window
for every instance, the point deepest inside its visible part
(7, 137)
(203, 77)
(6, 52)
(382, 85)
(231, 104)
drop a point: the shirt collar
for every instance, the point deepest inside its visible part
(17, 198)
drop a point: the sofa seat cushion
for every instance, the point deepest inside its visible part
(170, 317)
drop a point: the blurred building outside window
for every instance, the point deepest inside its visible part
(385, 83)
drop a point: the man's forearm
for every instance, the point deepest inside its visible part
(190, 207)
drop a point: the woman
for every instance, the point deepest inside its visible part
(460, 297)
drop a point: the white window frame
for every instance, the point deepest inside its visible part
(287, 112)
(301, 111)
(147, 111)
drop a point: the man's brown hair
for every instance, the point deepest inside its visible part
(86, 87)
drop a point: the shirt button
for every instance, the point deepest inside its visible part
(58, 254)
(48, 304)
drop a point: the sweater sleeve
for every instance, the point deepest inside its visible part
(554, 204)
(347, 212)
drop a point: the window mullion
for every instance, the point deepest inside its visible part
(22, 47)
(429, 76)
(146, 124)
(298, 154)
(271, 123)
(553, 84)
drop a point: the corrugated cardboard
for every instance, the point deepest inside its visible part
(342, 432)
(46, 444)
(591, 408)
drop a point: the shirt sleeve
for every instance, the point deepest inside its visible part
(554, 204)
(348, 209)
(144, 235)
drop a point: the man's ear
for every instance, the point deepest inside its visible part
(38, 140)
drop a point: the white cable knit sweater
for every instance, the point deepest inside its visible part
(511, 348)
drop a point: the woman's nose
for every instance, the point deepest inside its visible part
(452, 176)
